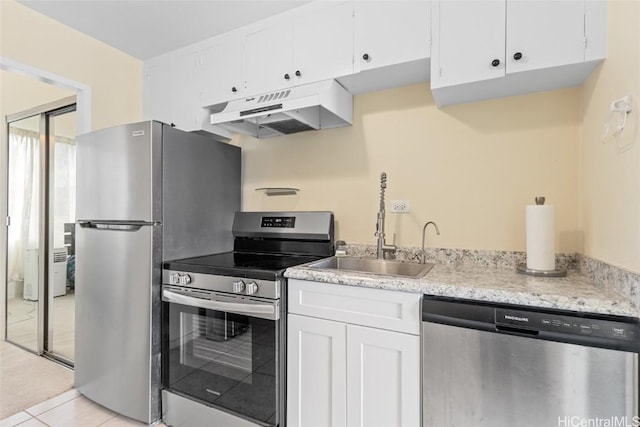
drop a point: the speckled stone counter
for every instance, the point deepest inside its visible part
(575, 292)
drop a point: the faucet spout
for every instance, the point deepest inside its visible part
(424, 229)
(381, 246)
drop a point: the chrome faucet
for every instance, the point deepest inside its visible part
(382, 247)
(423, 231)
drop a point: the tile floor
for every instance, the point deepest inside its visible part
(70, 409)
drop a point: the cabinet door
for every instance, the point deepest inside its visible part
(545, 33)
(186, 108)
(595, 22)
(268, 57)
(323, 44)
(468, 36)
(388, 33)
(383, 378)
(316, 372)
(157, 92)
(220, 73)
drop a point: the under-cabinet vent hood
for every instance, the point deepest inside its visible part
(321, 105)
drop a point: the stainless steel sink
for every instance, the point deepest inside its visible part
(374, 266)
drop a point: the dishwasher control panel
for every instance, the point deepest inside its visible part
(533, 321)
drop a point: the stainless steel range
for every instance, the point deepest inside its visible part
(224, 321)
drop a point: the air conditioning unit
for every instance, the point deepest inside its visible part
(31, 275)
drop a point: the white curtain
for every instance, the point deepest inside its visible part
(24, 197)
(24, 194)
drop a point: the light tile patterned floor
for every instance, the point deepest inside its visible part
(69, 409)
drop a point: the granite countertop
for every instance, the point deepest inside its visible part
(575, 292)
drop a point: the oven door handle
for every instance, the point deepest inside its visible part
(265, 311)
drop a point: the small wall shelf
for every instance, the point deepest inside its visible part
(278, 191)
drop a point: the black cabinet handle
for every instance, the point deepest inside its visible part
(286, 76)
(298, 73)
(233, 89)
(365, 56)
(517, 56)
(495, 62)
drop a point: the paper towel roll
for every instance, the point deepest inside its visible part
(541, 237)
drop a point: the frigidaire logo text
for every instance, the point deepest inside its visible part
(516, 318)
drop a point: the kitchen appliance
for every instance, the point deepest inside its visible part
(224, 321)
(145, 192)
(503, 365)
(314, 106)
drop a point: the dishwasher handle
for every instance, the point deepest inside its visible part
(517, 331)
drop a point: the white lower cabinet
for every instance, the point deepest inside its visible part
(350, 374)
(316, 372)
(383, 378)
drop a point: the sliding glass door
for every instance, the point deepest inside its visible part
(23, 233)
(41, 249)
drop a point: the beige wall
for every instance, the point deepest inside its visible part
(471, 168)
(114, 77)
(38, 42)
(610, 178)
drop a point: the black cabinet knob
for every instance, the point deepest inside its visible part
(517, 56)
(286, 76)
(298, 73)
(495, 62)
(233, 89)
(365, 56)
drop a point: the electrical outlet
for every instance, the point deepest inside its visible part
(399, 206)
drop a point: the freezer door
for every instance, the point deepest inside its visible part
(119, 173)
(117, 352)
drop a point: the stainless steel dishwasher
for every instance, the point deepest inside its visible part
(504, 365)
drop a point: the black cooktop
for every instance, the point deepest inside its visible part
(255, 265)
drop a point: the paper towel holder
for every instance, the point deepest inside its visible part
(522, 268)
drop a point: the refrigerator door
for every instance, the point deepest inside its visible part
(119, 173)
(118, 318)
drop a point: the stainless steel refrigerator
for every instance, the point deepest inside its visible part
(146, 192)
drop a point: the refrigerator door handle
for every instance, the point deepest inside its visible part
(266, 311)
(110, 226)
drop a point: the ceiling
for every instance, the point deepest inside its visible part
(148, 28)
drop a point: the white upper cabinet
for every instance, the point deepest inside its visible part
(157, 92)
(220, 70)
(595, 30)
(186, 111)
(390, 32)
(544, 33)
(468, 41)
(171, 93)
(307, 48)
(323, 44)
(268, 58)
(491, 48)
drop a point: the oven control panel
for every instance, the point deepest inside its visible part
(278, 222)
(234, 285)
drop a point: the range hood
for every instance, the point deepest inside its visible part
(321, 105)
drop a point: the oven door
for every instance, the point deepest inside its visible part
(222, 350)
